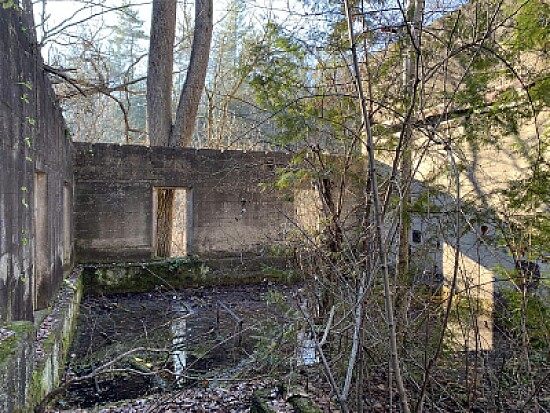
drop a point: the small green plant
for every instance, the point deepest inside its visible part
(205, 269)
(537, 313)
(8, 4)
(174, 264)
(27, 84)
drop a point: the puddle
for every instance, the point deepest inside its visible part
(179, 354)
(184, 339)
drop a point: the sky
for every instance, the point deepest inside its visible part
(69, 14)
(66, 17)
(58, 10)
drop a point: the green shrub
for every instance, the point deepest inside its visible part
(537, 314)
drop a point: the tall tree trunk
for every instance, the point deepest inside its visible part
(159, 94)
(165, 219)
(182, 132)
(159, 72)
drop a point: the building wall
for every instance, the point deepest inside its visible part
(232, 212)
(33, 139)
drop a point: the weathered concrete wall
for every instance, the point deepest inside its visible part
(16, 366)
(33, 360)
(232, 213)
(33, 140)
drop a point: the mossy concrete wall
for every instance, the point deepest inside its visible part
(54, 338)
(16, 366)
(33, 359)
(174, 274)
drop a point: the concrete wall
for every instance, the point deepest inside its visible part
(32, 359)
(33, 140)
(231, 212)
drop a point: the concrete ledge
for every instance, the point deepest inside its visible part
(178, 273)
(53, 338)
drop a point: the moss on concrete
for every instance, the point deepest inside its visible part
(130, 277)
(303, 404)
(179, 273)
(9, 345)
(37, 387)
(46, 371)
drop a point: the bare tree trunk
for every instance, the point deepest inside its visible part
(182, 132)
(159, 72)
(165, 208)
(159, 94)
(381, 249)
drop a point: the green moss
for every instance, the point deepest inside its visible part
(182, 273)
(8, 346)
(21, 327)
(259, 402)
(49, 342)
(37, 389)
(303, 404)
(39, 384)
(125, 278)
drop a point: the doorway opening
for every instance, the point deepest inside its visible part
(41, 247)
(172, 218)
(67, 208)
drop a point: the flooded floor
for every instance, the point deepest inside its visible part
(165, 340)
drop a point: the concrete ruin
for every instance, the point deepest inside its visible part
(222, 209)
(36, 241)
(227, 209)
(63, 203)
(36, 180)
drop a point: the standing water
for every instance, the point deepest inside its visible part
(169, 340)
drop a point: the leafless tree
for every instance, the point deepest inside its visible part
(162, 130)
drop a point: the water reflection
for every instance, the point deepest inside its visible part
(179, 332)
(306, 353)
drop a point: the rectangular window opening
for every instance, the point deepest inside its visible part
(416, 236)
(172, 222)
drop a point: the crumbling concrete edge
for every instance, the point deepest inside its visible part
(53, 339)
(34, 359)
